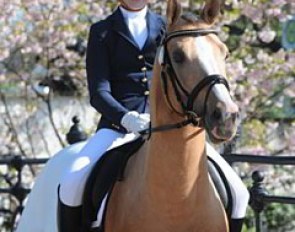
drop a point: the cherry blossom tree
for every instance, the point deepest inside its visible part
(42, 55)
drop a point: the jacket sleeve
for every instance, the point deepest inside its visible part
(98, 78)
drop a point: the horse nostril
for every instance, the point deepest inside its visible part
(217, 115)
(235, 116)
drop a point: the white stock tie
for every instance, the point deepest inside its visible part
(138, 29)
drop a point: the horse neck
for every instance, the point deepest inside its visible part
(176, 162)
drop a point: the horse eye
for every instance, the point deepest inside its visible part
(178, 56)
(226, 56)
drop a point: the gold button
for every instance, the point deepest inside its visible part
(143, 69)
(115, 126)
(144, 80)
(140, 57)
(146, 93)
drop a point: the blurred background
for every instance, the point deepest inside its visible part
(43, 85)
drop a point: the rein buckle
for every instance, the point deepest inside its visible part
(194, 118)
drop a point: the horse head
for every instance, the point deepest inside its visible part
(192, 60)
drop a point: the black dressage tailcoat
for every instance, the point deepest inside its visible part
(118, 71)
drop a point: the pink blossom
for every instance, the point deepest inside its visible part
(249, 59)
(290, 90)
(30, 2)
(263, 57)
(236, 69)
(256, 75)
(26, 50)
(274, 12)
(267, 86)
(280, 55)
(36, 48)
(253, 13)
(279, 2)
(267, 35)
(291, 59)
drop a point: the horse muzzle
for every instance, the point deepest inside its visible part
(222, 123)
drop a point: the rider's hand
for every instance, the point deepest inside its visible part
(135, 122)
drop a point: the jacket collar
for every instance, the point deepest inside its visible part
(120, 27)
(154, 28)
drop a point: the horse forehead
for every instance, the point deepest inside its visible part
(186, 22)
(207, 54)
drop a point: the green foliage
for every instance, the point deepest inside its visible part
(249, 224)
(280, 217)
(253, 133)
(275, 218)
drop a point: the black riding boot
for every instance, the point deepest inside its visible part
(69, 218)
(235, 225)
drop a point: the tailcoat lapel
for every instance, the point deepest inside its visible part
(120, 27)
(154, 26)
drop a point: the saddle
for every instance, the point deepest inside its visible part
(110, 168)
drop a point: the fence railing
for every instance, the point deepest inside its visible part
(258, 194)
(259, 197)
(17, 188)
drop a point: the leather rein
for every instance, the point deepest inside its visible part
(168, 74)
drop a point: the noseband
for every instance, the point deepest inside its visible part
(168, 74)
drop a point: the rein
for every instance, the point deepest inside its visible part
(168, 74)
(166, 127)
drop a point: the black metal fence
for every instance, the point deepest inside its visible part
(16, 188)
(259, 197)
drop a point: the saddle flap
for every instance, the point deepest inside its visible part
(107, 171)
(221, 185)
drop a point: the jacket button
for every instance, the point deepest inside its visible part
(140, 57)
(146, 93)
(115, 126)
(144, 80)
(143, 69)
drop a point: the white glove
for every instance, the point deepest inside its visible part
(135, 122)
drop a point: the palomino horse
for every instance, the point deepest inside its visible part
(167, 186)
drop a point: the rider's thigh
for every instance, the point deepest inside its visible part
(74, 179)
(240, 194)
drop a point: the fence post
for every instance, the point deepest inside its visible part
(76, 133)
(18, 190)
(257, 194)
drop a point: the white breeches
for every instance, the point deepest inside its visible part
(73, 182)
(239, 192)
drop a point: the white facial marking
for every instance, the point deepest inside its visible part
(206, 56)
(223, 95)
(210, 66)
(161, 55)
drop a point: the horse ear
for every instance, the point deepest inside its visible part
(173, 11)
(211, 11)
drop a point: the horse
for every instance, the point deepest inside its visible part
(166, 183)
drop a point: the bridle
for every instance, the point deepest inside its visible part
(168, 74)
